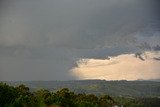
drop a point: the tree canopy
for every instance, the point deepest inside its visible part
(21, 96)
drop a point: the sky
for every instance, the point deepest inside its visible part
(79, 39)
(121, 67)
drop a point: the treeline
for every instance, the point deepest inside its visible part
(21, 96)
(98, 87)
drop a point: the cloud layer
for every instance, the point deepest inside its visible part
(68, 23)
(42, 40)
(121, 67)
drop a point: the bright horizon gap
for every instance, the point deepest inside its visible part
(121, 67)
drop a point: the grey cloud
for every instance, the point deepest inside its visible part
(31, 69)
(69, 23)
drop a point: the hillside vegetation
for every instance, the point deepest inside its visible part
(99, 87)
(21, 96)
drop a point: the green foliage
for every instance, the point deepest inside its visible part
(83, 100)
(21, 96)
(137, 102)
(22, 90)
(106, 101)
(8, 94)
(100, 87)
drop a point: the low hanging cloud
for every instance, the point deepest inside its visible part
(121, 67)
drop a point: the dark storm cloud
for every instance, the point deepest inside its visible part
(68, 23)
(43, 39)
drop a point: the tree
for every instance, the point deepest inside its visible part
(8, 94)
(106, 101)
(22, 90)
(65, 98)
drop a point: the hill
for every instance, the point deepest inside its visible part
(99, 87)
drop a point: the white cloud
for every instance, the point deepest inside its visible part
(125, 66)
